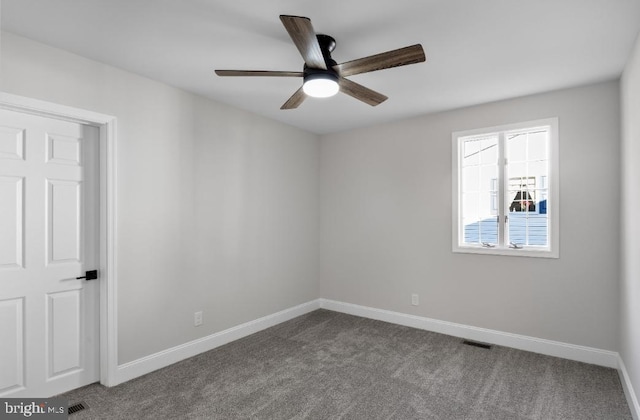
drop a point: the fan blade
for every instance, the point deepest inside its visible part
(395, 58)
(259, 73)
(295, 100)
(302, 34)
(360, 92)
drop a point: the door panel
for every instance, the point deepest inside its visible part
(48, 185)
(11, 143)
(64, 316)
(64, 150)
(12, 221)
(11, 352)
(64, 224)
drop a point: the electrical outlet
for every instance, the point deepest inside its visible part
(414, 299)
(197, 318)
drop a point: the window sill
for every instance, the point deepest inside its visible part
(510, 252)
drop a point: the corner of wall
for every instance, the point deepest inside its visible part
(629, 279)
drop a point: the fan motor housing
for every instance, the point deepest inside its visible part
(327, 42)
(327, 45)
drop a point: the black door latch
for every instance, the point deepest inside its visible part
(89, 275)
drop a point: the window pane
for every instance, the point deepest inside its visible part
(489, 151)
(471, 205)
(527, 157)
(471, 179)
(479, 183)
(517, 147)
(517, 170)
(481, 231)
(489, 178)
(543, 194)
(539, 170)
(543, 200)
(471, 152)
(521, 194)
(537, 145)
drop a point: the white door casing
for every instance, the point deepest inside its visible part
(109, 371)
(49, 320)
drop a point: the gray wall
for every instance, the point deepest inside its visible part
(218, 208)
(386, 223)
(630, 276)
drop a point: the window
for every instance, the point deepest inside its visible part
(505, 190)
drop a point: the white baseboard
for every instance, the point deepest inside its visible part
(522, 342)
(139, 367)
(634, 406)
(591, 355)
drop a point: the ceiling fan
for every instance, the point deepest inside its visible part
(322, 76)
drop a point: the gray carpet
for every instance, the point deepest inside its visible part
(327, 365)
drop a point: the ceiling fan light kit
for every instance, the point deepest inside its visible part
(322, 76)
(321, 85)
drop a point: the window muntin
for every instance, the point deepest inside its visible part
(502, 191)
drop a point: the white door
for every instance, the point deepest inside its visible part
(48, 237)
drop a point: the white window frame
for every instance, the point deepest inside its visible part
(553, 204)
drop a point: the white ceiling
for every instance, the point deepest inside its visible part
(477, 50)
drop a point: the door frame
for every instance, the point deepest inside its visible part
(107, 245)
